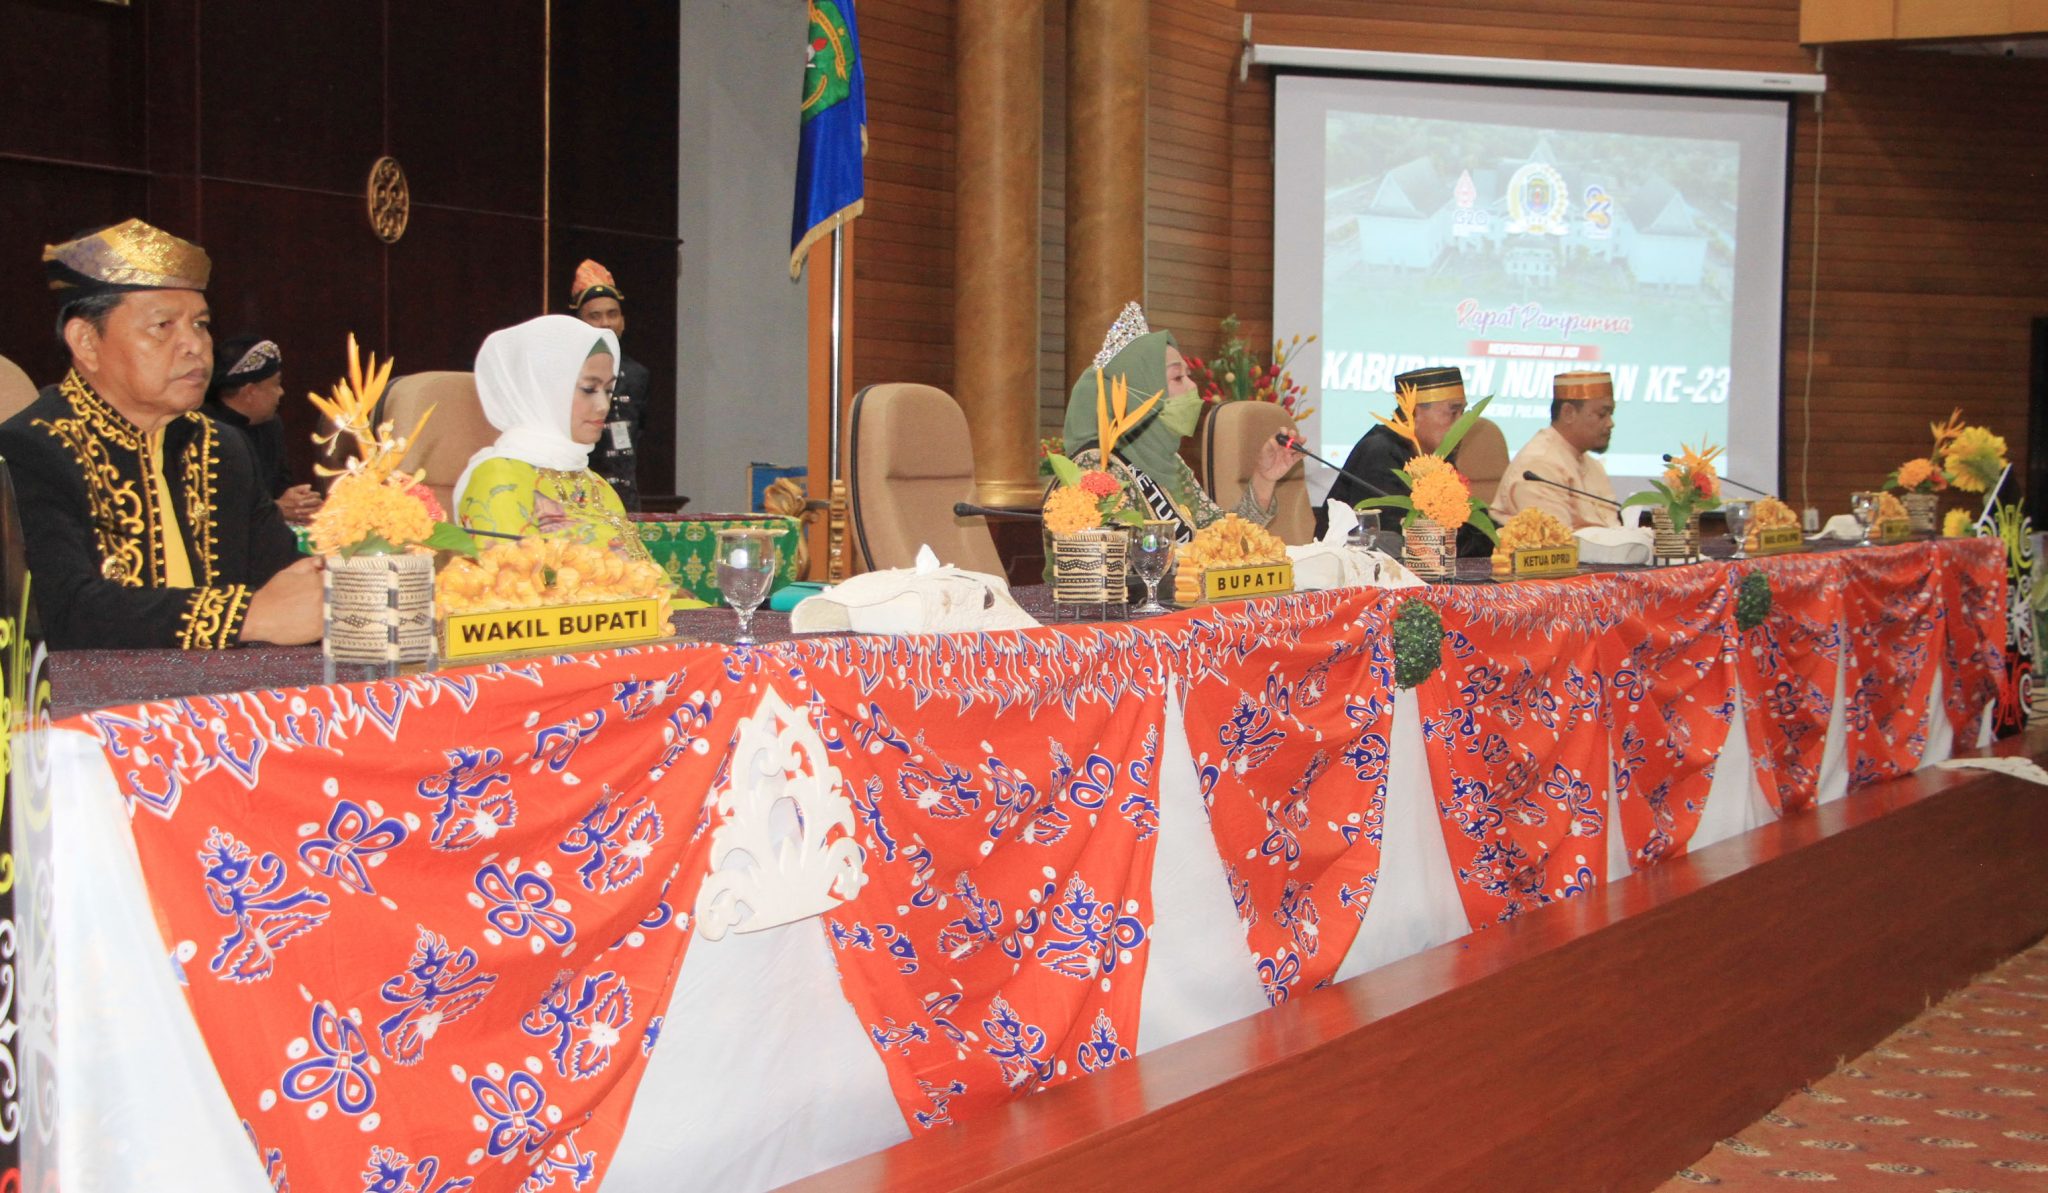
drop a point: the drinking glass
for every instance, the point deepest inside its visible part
(746, 570)
(1367, 533)
(1737, 513)
(1864, 507)
(1151, 553)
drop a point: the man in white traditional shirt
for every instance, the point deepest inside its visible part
(1581, 422)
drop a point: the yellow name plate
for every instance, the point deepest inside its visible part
(1773, 539)
(1249, 580)
(1894, 530)
(1545, 561)
(552, 628)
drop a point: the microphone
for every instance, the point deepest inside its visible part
(1544, 480)
(967, 509)
(1731, 480)
(1296, 442)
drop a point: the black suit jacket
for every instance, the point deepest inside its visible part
(95, 551)
(621, 466)
(1373, 460)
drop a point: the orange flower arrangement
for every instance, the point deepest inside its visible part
(373, 508)
(1917, 476)
(1689, 485)
(1436, 489)
(1443, 497)
(1087, 500)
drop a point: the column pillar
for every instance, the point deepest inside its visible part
(1107, 59)
(999, 120)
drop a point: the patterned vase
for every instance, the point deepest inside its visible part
(1920, 511)
(1670, 543)
(380, 609)
(1088, 567)
(1429, 548)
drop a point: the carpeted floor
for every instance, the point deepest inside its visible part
(1955, 1101)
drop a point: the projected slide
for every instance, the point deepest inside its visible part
(1517, 255)
(1517, 233)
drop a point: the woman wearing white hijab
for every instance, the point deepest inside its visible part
(546, 385)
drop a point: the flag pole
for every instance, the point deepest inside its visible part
(836, 518)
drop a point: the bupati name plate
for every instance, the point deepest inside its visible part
(1772, 539)
(1247, 580)
(552, 628)
(1894, 530)
(1545, 561)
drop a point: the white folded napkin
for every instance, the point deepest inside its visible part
(932, 598)
(1331, 562)
(1842, 526)
(1615, 545)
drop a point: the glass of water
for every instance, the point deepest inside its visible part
(1864, 507)
(1151, 553)
(1737, 513)
(746, 570)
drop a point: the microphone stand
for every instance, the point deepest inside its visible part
(1544, 480)
(967, 509)
(1296, 443)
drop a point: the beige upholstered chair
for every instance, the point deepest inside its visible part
(1483, 458)
(16, 390)
(909, 460)
(457, 431)
(1231, 441)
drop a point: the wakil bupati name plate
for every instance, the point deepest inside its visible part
(1773, 539)
(1247, 580)
(1531, 562)
(552, 628)
(1894, 530)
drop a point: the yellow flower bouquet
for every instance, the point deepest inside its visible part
(1089, 499)
(1971, 457)
(374, 508)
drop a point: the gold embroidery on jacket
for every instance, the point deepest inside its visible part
(121, 522)
(201, 461)
(125, 526)
(213, 617)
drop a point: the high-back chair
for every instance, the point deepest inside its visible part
(1231, 441)
(909, 461)
(1483, 458)
(16, 390)
(457, 430)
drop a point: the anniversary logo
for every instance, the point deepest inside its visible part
(1514, 254)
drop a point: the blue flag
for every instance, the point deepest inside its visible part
(829, 187)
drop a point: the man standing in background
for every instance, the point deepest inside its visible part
(596, 299)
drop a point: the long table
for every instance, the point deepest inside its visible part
(855, 888)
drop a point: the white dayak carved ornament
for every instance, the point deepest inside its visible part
(767, 871)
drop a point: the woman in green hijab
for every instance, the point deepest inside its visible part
(1151, 362)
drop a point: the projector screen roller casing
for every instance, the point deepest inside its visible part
(1521, 231)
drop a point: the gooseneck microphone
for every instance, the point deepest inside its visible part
(1731, 480)
(1299, 445)
(1544, 480)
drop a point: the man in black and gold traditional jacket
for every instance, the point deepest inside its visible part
(146, 526)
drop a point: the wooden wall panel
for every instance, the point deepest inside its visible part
(470, 127)
(290, 94)
(903, 274)
(250, 127)
(1931, 233)
(70, 86)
